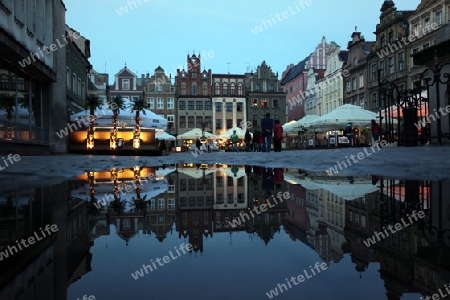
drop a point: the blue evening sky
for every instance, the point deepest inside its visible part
(162, 32)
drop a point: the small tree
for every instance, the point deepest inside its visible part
(92, 102)
(137, 106)
(116, 104)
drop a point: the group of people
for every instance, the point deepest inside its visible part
(374, 129)
(271, 130)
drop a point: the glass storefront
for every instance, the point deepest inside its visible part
(21, 108)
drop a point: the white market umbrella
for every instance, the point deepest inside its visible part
(164, 136)
(289, 127)
(342, 115)
(193, 134)
(239, 131)
(306, 121)
(344, 189)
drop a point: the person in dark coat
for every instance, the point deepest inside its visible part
(277, 136)
(248, 140)
(267, 131)
(255, 141)
(198, 143)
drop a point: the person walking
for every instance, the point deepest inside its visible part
(375, 129)
(198, 143)
(248, 140)
(234, 138)
(267, 131)
(348, 132)
(260, 141)
(277, 136)
(255, 141)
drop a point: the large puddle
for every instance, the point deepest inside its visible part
(225, 232)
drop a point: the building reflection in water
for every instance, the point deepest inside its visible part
(332, 215)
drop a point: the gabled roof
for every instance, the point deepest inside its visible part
(125, 72)
(295, 71)
(424, 4)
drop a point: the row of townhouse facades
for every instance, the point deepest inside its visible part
(198, 98)
(404, 39)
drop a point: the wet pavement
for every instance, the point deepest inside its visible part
(227, 225)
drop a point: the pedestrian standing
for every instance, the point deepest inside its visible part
(267, 131)
(348, 132)
(248, 139)
(255, 141)
(277, 136)
(234, 138)
(198, 143)
(260, 141)
(375, 129)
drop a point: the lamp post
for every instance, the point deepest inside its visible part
(203, 138)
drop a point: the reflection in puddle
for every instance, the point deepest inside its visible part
(112, 223)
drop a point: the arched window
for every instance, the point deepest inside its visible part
(217, 88)
(224, 88)
(232, 89)
(205, 89)
(183, 88)
(240, 89)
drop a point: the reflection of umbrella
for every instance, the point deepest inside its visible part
(164, 136)
(194, 134)
(343, 188)
(195, 173)
(342, 115)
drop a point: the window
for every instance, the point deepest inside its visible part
(208, 105)
(383, 41)
(170, 120)
(232, 89)
(225, 89)
(374, 72)
(205, 89)
(191, 122)
(83, 90)
(199, 121)
(199, 105)
(207, 120)
(361, 81)
(125, 84)
(355, 61)
(181, 104)
(239, 123)
(240, 89)
(391, 37)
(381, 68)
(229, 123)
(229, 106)
(271, 87)
(68, 79)
(182, 121)
(170, 103)
(190, 105)
(401, 61)
(354, 83)
(427, 23)
(258, 87)
(374, 100)
(183, 88)
(161, 204)
(218, 124)
(255, 102)
(264, 103)
(159, 88)
(193, 74)
(239, 106)
(74, 83)
(216, 88)
(135, 98)
(160, 103)
(438, 17)
(152, 204)
(194, 89)
(276, 103)
(219, 106)
(391, 65)
(348, 86)
(416, 29)
(425, 46)
(219, 199)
